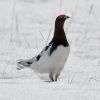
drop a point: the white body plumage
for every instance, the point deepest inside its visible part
(47, 63)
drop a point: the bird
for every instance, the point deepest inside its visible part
(52, 58)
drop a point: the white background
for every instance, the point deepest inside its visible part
(24, 29)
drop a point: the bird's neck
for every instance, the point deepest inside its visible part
(59, 32)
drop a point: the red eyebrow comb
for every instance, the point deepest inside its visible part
(62, 14)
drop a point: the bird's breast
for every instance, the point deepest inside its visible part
(61, 53)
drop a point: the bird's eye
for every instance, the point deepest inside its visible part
(64, 17)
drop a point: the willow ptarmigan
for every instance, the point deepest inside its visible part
(52, 58)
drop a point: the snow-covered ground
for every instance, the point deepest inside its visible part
(24, 29)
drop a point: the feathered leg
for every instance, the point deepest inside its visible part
(51, 76)
(57, 73)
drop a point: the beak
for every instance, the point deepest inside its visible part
(67, 17)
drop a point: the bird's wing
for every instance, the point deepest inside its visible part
(28, 62)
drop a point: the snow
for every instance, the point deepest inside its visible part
(24, 29)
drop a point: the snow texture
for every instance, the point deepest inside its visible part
(24, 30)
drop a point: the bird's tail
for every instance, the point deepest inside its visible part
(23, 64)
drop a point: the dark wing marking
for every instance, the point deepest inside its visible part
(41, 53)
(29, 62)
(53, 48)
(46, 48)
(38, 57)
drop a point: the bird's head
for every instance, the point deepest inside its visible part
(61, 18)
(59, 32)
